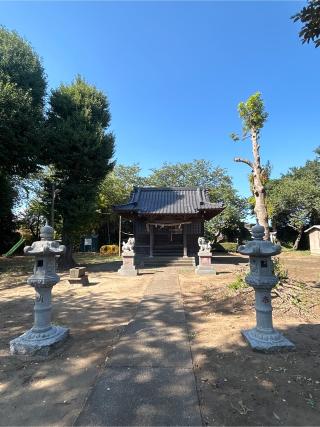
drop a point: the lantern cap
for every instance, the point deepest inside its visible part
(46, 232)
(46, 245)
(258, 246)
(257, 232)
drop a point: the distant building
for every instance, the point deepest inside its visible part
(314, 239)
(168, 221)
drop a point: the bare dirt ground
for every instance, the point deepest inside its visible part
(236, 385)
(53, 392)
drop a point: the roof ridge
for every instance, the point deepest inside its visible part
(168, 188)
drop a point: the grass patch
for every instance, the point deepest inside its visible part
(290, 251)
(238, 284)
(93, 258)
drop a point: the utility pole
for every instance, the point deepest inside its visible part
(54, 193)
(119, 235)
(52, 205)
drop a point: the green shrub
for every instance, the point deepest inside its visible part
(279, 269)
(217, 247)
(225, 247)
(238, 283)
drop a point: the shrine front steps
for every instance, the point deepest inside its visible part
(165, 261)
(170, 250)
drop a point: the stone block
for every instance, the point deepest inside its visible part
(77, 272)
(128, 267)
(205, 265)
(127, 271)
(202, 270)
(82, 280)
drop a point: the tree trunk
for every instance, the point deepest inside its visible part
(66, 261)
(258, 187)
(296, 243)
(259, 191)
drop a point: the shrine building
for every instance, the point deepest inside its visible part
(168, 221)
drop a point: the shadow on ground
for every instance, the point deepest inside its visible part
(236, 386)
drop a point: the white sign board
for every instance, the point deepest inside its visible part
(87, 242)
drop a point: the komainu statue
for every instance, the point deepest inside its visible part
(129, 245)
(204, 245)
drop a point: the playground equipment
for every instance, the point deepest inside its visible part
(14, 247)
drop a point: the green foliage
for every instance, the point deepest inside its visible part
(229, 246)
(225, 247)
(116, 187)
(80, 150)
(21, 65)
(238, 284)
(202, 173)
(22, 91)
(309, 16)
(7, 197)
(252, 114)
(198, 173)
(279, 269)
(294, 199)
(33, 204)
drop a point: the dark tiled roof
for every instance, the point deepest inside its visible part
(173, 200)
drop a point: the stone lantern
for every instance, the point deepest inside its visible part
(43, 337)
(262, 278)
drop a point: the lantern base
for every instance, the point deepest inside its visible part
(267, 342)
(40, 345)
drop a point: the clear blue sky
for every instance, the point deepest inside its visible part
(175, 71)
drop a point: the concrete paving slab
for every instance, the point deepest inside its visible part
(153, 347)
(149, 380)
(148, 396)
(166, 313)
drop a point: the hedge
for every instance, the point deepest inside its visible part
(225, 247)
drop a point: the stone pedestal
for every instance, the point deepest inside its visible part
(205, 266)
(43, 337)
(128, 268)
(78, 275)
(264, 337)
(261, 277)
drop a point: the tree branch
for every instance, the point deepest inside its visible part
(247, 162)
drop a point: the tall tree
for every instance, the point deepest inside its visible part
(22, 92)
(253, 116)
(309, 16)
(294, 199)
(115, 189)
(80, 150)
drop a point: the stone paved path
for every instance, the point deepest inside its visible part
(149, 379)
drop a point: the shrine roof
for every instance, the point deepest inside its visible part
(169, 200)
(314, 227)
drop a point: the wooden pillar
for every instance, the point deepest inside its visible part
(151, 228)
(185, 243)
